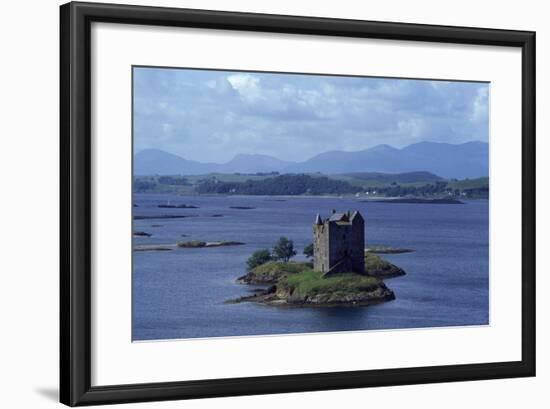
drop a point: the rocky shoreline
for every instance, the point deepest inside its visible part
(284, 296)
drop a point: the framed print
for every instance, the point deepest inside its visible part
(260, 203)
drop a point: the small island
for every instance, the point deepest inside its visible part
(380, 249)
(178, 206)
(198, 243)
(189, 244)
(171, 216)
(155, 247)
(310, 288)
(142, 234)
(164, 216)
(342, 272)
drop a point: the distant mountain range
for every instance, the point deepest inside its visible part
(157, 162)
(467, 160)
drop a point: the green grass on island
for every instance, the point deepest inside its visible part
(311, 283)
(272, 271)
(278, 267)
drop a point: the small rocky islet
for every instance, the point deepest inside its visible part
(142, 234)
(298, 284)
(177, 206)
(188, 244)
(199, 243)
(380, 249)
(343, 272)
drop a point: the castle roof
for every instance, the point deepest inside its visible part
(318, 219)
(339, 217)
(355, 215)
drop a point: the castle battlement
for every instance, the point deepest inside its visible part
(339, 243)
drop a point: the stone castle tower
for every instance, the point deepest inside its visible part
(339, 243)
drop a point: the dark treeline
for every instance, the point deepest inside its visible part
(143, 185)
(301, 184)
(430, 190)
(477, 193)
(173, 180)
(151, 183)
(280, 185)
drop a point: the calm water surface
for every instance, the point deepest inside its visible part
(181, 293)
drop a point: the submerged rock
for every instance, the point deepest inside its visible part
(142, 234)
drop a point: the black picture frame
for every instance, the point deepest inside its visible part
(75, 203)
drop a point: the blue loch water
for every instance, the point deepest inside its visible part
(182, 293)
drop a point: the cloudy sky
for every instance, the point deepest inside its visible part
(211, 116)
